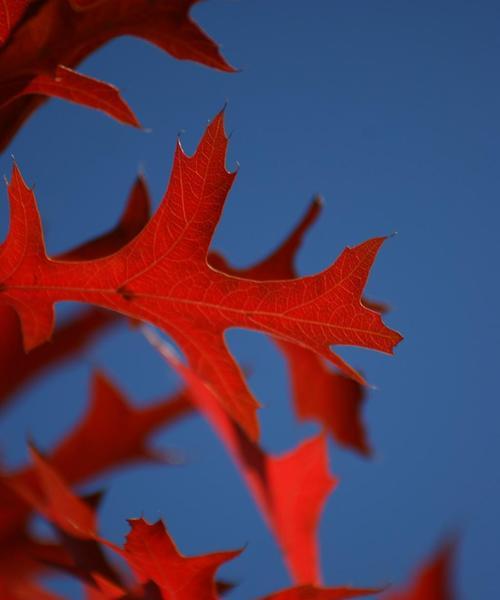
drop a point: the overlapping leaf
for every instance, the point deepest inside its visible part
(163, 277)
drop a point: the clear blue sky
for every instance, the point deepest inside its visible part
(391, 111)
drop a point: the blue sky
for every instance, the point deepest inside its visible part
(390, 111)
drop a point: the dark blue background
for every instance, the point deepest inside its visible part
(391, 111)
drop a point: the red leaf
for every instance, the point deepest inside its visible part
(290, 490)
(162, 277)
(433, 581)
(52, 39)
(319, 393)
(79, 331)
(153, 556)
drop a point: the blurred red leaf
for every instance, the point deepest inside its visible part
(153, 556)
(42, 46)
(162, 277)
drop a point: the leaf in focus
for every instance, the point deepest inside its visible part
(162, 277)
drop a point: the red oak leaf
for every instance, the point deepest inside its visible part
(310, 592)
(77, 332)
(54, 36)
(319, 393)
(162, 277)
(433, 581)
(290, 490)
(153, 556)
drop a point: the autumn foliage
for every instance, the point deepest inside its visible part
(158, 273)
